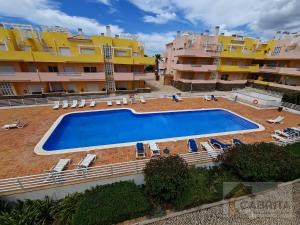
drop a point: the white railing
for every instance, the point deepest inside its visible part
(24, 183)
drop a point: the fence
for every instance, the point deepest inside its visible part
(25, 183)
(291, 106)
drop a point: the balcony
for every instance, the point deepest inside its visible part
(243, 55)
(289, 71)
(122, 60)
(16, 56)
(247, 69)
(268, 69)
(74, 76)
(127, 76)
(196, 53)
(197, 81)
(232, 81)
(285, 86)
(285, 55)
(50, 57)
(143, 60)
(19, 77)
(195, 67)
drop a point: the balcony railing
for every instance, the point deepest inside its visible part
(289, 71)
(195, 81)
(233, 68)
(196, 52)
(196, 67)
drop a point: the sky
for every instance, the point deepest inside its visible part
(156, 21)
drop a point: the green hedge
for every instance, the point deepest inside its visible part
(294, 149)
(110, 204)
(262, 162)
(292, 97)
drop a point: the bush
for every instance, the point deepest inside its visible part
(294, 149)
(292, 97)
(262, 162)
(66, 209)
(29, 212)
(110, 204)
(166, 178)
(204, 186)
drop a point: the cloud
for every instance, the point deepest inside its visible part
(46, 12)
(155, 42)
(264, 16)
(105, 2)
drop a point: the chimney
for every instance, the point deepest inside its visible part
(217, 30)
(108, 32)
(102, 34)
(80, 32)
(278, 35)
(222, 34)
(117, 36)
(206, 32)
(178, 34)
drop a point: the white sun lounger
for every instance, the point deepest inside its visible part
(178, 98)
(60, 166)
(86, 162)
(74, 104)
(65, 104)
(17, 124)
(278, 119)
(56, 105)
(82, 103)
(93, 103)
(142, 99)
(118, 102)
(210, 150)
(109, 103)
(283, 140)
(155, 151)
(207, 98)
(124, 101)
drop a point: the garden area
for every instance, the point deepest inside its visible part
(170, 184)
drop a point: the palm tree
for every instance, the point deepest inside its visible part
(157, 60)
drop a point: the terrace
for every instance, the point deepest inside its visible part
(18, 158)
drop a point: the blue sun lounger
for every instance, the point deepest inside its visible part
(140, 150)
(220, 144)
(236, 141)
(193, 147)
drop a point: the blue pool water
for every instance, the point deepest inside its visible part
(87, 129)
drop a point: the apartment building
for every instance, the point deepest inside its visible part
(54, 60)
(203, 62)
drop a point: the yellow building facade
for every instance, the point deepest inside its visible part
(55, 60)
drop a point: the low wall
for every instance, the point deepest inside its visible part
(193, 87)
(229, 87)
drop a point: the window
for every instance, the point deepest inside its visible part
(121, 53)
(90, 69)
(3, 47)
(6, 89)
(52, 69)
(87, 51)
(64, 51)
(7, 69)
(224, 77)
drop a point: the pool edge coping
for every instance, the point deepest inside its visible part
(39, 150)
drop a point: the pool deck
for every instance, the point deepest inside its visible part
(17, 157)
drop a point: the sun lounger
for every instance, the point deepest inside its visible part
(142, 99)
(16, 124)
(118, 102)
(237, 142)
(65, 104)
(56, 105)
(124, 101)
(93, 103)
(193, 147)
(220, 144)
(55, 171)
(109, 103)
(84, 164)
(207, 98)
(140, 151)
(155, 151)
(278, 119)
(82, 103)
(210, 150)
(178, 98)
(174, 98)
(74, 104)
(282, 140)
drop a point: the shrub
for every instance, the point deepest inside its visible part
(166, 178)
(110, 204)
(261, 162)
(204, 186)
(66, 209)
(29, 212)
(291, 97)
(294, 149)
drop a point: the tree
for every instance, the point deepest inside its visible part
(262, 162)
(166, 178)
(157, 60)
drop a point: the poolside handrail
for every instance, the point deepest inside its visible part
(23, 183)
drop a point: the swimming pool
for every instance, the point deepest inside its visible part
(89, 130)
